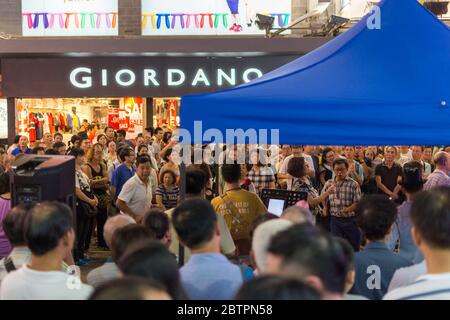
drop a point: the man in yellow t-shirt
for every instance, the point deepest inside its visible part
(238, 207)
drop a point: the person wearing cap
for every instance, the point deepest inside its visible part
(412, 182)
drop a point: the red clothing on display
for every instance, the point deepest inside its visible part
(32, 128)
(63, 121)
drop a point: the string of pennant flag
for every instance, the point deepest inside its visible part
(198, 20)
(65, 20)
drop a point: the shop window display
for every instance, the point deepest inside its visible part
(71, 116)
(166, 112)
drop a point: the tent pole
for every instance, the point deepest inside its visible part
(182, 197)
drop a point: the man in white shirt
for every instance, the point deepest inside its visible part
(297, 151)
(135, 199)
(109, 270)
(49, 234)
(430, 217)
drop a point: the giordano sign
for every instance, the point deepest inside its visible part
(118, 77)
(83, 78)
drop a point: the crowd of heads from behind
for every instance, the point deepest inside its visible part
(374, 223)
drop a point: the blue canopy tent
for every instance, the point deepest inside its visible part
(386, 86)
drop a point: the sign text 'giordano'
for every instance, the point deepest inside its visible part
(83, 78)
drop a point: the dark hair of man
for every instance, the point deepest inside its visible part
(35, 150)
(412, 180)
(375, 216)
(77, 153)
(106, 129)
(430, 215)
(296, 167)
(126, 288)
(125, 152)
(13, 225)
(16, 139)
(125, 237)
(272, 287)
(195, 181)
(45, 225)
(340, 161)
(149, 130)
(260, 220)
(167, 154)
(157, 130)
(121, 133)
(309, 251)
(166, 137)
(58, 135)
(231, 173)
(152, 260)
(144, 159)
(52, 152)
(74, 139)
(58, 145)
(204, 167)
(348, 251)
(84, 139)
(428, 147)
(157, 222)
(83, 136)
(194, 221)
(141, 146)
(119, 150)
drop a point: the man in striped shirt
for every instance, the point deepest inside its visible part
(439, 177)
(430, 216)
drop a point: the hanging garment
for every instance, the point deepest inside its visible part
(62, 124)
(69, 121)
(23, 122)
(40, 126)
(76, 121)
(46, 125)
(32, 128)
(51, 123)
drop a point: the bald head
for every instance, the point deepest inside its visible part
(441, 159)
(297, 214)
(262, 237)
(115, 223)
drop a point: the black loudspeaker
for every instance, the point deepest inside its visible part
(36, 178)
(264, 22)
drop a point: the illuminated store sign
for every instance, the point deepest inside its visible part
(83, 78)
(131, 77)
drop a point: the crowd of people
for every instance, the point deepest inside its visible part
(374, 223)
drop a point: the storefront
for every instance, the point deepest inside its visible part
(69, 95)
